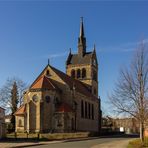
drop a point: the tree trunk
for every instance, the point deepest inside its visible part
(142, 131)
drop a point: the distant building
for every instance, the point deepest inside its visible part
(2, 123)
(64, 102)
(8, 119)
(127, 125)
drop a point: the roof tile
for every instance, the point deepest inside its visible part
(21, 110)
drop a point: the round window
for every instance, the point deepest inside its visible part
(35, 98)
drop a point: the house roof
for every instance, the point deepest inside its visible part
(76, 59)
(44, 82)
(64, 108)
(21, 110)
(73, 83)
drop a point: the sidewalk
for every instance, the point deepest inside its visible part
(24, 144)
(18, 144)
(114, 144)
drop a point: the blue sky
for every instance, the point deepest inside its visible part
(33, 31)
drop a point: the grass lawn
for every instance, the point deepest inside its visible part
(138, 144)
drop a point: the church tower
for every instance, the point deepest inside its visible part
(83, 65)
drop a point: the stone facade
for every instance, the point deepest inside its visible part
(59, 102)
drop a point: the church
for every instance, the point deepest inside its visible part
(64, 102)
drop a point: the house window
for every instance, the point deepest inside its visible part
(85, 109)
(73, 73)
(89, 110)
(83, 73)
(20, 124)
(78, 73)
(72, 124)
(82, 109)
(59, 123)
(92, 111)
(47, 98)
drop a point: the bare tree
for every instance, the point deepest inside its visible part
(5, 93)
(131, 92)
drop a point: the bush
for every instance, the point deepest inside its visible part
(60, 136)
(10, 128)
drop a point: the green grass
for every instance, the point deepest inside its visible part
(136, 143)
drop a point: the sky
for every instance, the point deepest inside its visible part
(33, 31)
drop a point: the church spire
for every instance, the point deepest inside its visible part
(81, 40)
(81, 28)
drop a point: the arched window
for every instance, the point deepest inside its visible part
(20, 123)
(86, 110)
(95, 75)
(73, 73)
(82, 109)
(95, 91)
(47, 73)
(83, 73)
(72, 124)
(89, 110)
(78, 73)
(92, 112)
(47, 99)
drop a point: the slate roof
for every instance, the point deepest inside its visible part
(77, 59)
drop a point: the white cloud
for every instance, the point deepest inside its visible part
(126, 47)
(57, 55)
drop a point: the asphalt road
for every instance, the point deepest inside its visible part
(82, 144)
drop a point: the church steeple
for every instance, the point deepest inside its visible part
(81, 40)
(81, 28)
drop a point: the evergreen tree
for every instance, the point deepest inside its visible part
(14, 103)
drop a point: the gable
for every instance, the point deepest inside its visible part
(43, 80)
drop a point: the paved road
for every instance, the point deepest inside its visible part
(93, 143)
